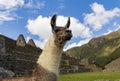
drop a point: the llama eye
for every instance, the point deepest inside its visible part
(56, 30)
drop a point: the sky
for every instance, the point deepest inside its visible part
(89, 19)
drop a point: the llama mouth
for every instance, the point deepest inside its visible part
(68, 37)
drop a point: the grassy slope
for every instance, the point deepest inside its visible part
(102, 50)
(92, 76)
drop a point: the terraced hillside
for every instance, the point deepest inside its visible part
(20, 57)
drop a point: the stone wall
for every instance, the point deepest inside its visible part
(92, 67)
(20, 57)
(21, 41)
(113, 66)
(69, 64)
(2, 44)
(5, 73)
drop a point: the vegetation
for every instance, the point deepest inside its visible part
(101, 50)
(91, 76)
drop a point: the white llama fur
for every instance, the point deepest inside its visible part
(51, 56)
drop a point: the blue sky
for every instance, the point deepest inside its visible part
(89, 19)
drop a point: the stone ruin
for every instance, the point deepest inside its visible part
(31, 42)
(17, 56)
(71, 64)
(21, 41)
(5, 73)
(2, 45)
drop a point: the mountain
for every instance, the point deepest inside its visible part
(101, 50)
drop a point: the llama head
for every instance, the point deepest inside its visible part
(61, 34)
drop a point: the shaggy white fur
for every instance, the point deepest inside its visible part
(51, 56)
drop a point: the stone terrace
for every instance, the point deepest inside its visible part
(20, 57)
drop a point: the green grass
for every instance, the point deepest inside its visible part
(91, 76)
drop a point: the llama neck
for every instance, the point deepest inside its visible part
(51, 56)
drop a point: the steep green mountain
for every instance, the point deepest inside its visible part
(101, 50)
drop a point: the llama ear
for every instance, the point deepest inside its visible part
(53, 21)
(68, 23)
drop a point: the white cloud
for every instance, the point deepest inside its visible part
(61, 6)
(41, 27)
(40, 43)
(5, 16)
(118, 27)
(81, 42)
(7, 8)
(79, 29)
(115, 24)
(99, 17)
(108, 32)
(35, 4)
(28, 38)
(9, 4)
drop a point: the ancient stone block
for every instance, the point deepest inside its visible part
(21, 41)
(31, 42)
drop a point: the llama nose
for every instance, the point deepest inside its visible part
(68, 31)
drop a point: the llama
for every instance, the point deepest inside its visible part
(47, 67)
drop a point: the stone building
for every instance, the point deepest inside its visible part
(69, 64)
(17, 55)
(31, 42)
(2, 44)
(20, 57)
(20, 41)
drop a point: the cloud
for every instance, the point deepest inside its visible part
(61, 6)
(81, 42)
(28, 38)
(118, 27)
(40, 43)
(7, 8)
(108, 32)
(10, 4)
(79, 29)
(100, 16)
(41, 27)
(5, 16)
(35, 4)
